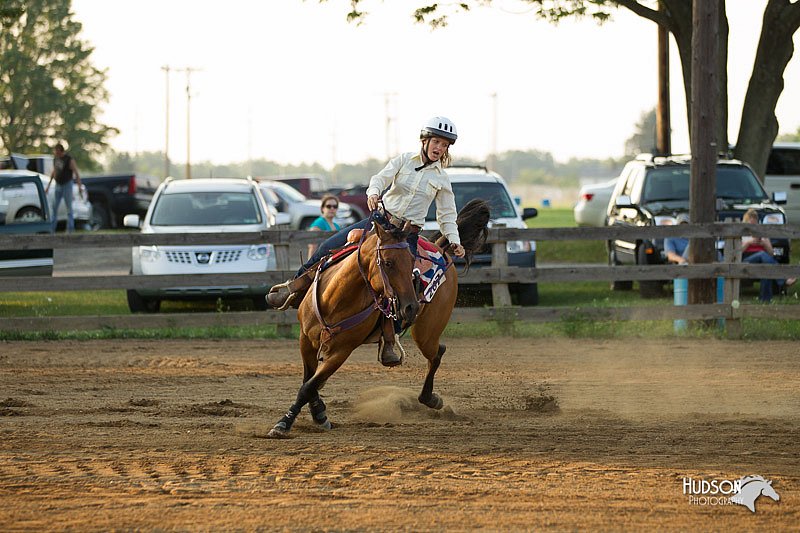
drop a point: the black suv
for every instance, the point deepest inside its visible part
(653, 191)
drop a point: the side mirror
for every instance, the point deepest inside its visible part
(283, 219)
(779, 197)
(529, 212)
(131, 221)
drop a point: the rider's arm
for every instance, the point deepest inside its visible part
(384, 178)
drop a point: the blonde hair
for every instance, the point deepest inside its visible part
(750, 216)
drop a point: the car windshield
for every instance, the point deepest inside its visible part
(499, 202)
(210, 208)
(287, 193)
(672, 184)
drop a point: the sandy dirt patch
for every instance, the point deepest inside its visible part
(535, 433)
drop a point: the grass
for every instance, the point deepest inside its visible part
(575, 294)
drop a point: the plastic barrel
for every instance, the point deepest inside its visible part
(681, 297)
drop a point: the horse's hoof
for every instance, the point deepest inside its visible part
(434, 402)
(278, 433)
(325, 426)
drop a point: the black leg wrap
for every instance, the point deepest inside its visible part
(434, 402)
(287, 420)
(319, 413)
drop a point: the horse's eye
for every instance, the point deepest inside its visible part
(388, 264)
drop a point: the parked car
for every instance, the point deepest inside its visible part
(654, 191)
(21, 190)
(783, 175)
(301, 210)
(200, 206)
(356, 197)
(309, 185)
(593, 203)
(471, 182)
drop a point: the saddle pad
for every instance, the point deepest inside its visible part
(431, 265)
(339, 254)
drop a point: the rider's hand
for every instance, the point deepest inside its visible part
(457, 249)
(372, 202)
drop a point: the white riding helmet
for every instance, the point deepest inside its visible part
(439, 127)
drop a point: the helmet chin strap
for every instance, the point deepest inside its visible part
(425, 159)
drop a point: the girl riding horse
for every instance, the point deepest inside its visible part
(415, 180)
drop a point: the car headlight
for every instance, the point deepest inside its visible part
(515, 247)
(258, 252)
(773, 218)
(665, 221)
(149, 253)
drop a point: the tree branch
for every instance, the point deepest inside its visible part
(643, 11)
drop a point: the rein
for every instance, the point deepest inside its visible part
(386, 305)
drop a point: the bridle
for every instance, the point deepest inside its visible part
(385, 303)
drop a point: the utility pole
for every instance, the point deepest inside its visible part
(491, 161)
(389, 119)
(703, 138)
(663, 141)
(188, 71)
(166, 70)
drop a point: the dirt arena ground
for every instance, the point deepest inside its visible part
(155, 435)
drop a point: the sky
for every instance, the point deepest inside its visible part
(293, 82)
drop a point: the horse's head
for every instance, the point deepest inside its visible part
(389, 268)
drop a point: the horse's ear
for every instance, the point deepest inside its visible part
(769, 482)
(379, 230)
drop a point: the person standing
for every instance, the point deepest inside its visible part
(328, 207)
(64, 172)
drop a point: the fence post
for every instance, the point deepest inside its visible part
(733, 254)
(500, 295)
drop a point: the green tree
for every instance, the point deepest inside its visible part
(759, 125)
(643, 139)
(790, 137)
(49, 89)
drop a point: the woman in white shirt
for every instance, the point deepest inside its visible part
(415, 180)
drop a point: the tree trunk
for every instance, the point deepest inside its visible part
(759, 125)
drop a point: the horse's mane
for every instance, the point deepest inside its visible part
(747, 479)
(472, 222)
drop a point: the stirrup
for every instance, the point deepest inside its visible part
(289, 297)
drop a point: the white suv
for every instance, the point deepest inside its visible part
(202, 206)
(470, 182)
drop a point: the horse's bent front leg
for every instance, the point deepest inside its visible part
(427, 396)
(309, 394)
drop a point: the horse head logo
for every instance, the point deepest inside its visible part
(751, 488)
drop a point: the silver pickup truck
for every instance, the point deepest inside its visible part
(783, 175)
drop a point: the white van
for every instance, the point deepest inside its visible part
(783, 175)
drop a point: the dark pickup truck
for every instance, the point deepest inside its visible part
(115, 196)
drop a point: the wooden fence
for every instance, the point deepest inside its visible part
(499, 275)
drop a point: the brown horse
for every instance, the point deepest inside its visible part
(344, 307)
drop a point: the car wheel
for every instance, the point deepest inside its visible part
(138, 304)
(101, 219)
(648, 288)
(260, 303)
(618, 285)
(29, 214)
(528, 294)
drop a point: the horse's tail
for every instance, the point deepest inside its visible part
(472, 221)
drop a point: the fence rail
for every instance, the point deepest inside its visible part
(499, 275)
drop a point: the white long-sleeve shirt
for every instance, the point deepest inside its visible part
(412, 192)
